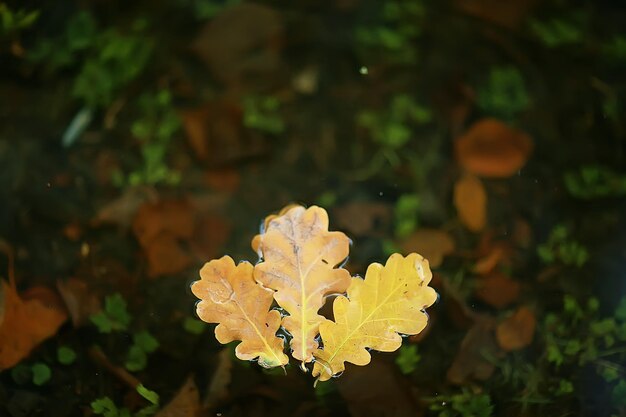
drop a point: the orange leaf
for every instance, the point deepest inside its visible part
(432, 244)
(300, 257)
(470, 200)
(518, 330)
(390, 300)
(497, 290)
(27, 321)
(491, 148)
(230, 296)
(186, 402)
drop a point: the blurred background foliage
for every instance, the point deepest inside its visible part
(141, 139)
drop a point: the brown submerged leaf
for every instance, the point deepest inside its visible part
(518, 330)
(390, 300)
(470, 201)
(27, 321)
(490, 148)
(299, 262)
(230, 296)
(432, 244)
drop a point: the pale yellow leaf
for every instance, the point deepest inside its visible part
(299, 261)
(230, 296)
(390, 301)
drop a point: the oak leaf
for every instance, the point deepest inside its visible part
(390, 300)
(26, 321)
(230, 296)
(300, 258)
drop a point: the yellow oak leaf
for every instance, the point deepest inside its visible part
(390, 300)
(299, 261)
(229, 296)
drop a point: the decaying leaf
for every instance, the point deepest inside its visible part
(432, 244)
(390, 300)
(27, 321)
(497, 290)
(230, 296)
(300, 258)
(79, 300)
(493, 149)
(185, 403)
(159, 228)
(517, 331)
(364, 218)
(470, 201)
(474, 357)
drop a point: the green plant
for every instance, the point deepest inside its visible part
(108, 59)
(405, 215)
(392, 129)
(14, 21)
(394, 33)
(557, 32)
(114, 316)
(592, 181)
(463, 404)
(263, 114)
(578, 337)
(408, 358)
(504, 94)
(154, 129)
(66, 355)
(194, 326)
(560, 247)
(41, 373)
(143, 344)
(106, 407)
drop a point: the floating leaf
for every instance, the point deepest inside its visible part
(493, 149)
(470, 200)
(390, 300)
(27, 321)
(300, 257)
(517, 331)
(230, 296)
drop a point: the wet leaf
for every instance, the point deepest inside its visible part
(222, 376)
(474, 357)
(186, 402)
(432, 244)
(390, 300)
(300, 257)
(28, 321)
(123, 209)
(517, 331)
(230, 297)
(470, 201)
(160, 228)
(364, 218)
(81, 303)
(493, 149)
(498, 290)
(488, 263)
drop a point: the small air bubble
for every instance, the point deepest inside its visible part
(380, 193)
(363, 70)
(443, 403)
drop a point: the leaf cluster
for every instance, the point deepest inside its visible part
(560, 247)
(107, 59)
(594, 181)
